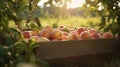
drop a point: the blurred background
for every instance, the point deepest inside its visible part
(100, 14)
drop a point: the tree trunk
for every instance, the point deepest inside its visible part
(38, 22)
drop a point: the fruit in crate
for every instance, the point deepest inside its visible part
(95, 36)
(43, 39)
(56, 34)
(107, 35)
(64, 38)
(81, 29)
(55, 40)
(92, 31)
(61, 27)
(34, 33)
(65, 33)
(50, 28)
(35, 38)
(73, 36)
(45, 33)
(26, 34)
(59, 34)
(85, 35)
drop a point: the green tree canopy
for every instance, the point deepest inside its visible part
(109, 10)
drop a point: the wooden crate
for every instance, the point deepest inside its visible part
(65, 49)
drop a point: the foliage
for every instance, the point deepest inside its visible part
(16, 49)
(113, 63)
(20, 51)
(89, 11)
(17, 11)
(109, 10)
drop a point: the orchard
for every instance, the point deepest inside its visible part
(59, 33)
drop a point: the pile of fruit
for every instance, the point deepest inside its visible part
(63, 33)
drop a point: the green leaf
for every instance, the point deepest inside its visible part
(108, 28)
(35, 45)
(3, 50)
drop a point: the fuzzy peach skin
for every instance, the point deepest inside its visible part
(85, 35)
(56, 34)
(107, 35)
(26, 34)
(45, 33)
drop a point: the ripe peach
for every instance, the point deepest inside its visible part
(64, 38)
(56, 34)
(26, 34)
(61, 27)
(80, 30)
(71, 29)
(50, 28)
(95, 36)
(107, 35)
(55, 40)
(65, 33)
(91, 31)
(75, 32)
(43, 39)
(35, 38)
(45, 33)
(34, 33)
(100, 35)
(85, 35)
(72, 36)
(26, 40)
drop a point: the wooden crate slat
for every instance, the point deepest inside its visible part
(51, 50)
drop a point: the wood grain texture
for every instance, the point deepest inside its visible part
(64, 49)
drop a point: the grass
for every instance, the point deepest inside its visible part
(72, 21)
(69, 21)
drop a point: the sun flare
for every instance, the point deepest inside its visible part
(76, 3)
(72, 4)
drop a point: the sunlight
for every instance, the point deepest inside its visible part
(41, 3)
(76, 3)
(72, 4)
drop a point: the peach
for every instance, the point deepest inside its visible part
(56, 34)
(61, 27)
(55, 40)
(50, 28)
(26, 40)
(107, 35)
(75, 32)
(80, 30)
(95, 36)
(72, 36)
(100, 35)
(64, 38)
(91, 31)
(45, 33)
(26, 34)
(85, 35)
(65, 33)
(71, 29)
(35, 38)
(34, 33)
(43, 39)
